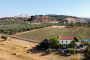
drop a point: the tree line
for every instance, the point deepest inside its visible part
(12, 28)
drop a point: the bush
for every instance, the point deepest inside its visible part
(72, 24)
(76, 39)
(4, 37)
(57, 46)
(81, 45)
(71, 50)
(49, 51)
(87, 49)
(76, 51)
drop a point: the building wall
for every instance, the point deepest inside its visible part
(64, 41)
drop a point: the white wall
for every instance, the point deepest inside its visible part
(64, 41)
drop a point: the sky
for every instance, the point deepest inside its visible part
(79, 8)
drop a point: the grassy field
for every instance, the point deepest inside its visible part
(39, 35)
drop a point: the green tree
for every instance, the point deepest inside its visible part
(44, 44)
(73, 44)
(72, 24)
(54, 42)
(77, 39)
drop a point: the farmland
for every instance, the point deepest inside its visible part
(15, 49)
(39, 35)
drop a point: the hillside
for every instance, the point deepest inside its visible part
(42, 19)
(55, 18)
(66, 18)
(87, 19)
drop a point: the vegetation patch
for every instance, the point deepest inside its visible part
(4, 37)
(41, 34)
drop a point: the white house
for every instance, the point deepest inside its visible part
(65, 39)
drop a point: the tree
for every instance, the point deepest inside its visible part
(72, 24)
(44, 44)
(73, 44)
(54, 42)
(76, 39)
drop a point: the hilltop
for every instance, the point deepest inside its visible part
(55, 18)
(42, 19)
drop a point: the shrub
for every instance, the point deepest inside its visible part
(49, 51)
(4, 37)
(72, 24)
(81, 45)
(76, 39)
(57, 46)
(76, 51)
(71, 50)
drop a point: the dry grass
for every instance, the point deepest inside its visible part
(15, 50)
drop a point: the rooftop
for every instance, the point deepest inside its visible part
(66, 38)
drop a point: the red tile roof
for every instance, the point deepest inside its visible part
(66, 38)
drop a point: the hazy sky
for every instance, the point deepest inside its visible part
(79, 8)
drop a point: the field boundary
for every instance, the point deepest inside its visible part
(39, 29)
(24, 39)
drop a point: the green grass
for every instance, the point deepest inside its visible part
(39, 35)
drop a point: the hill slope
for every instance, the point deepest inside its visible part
(87, 19)
(42, 19)
(55, 18)
(67, 18)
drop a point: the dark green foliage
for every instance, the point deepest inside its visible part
(87, 44)
(73, 44)
(87, 51)
(76, 39)
(72, 24)
(7, 22)
(58, 46)
(81, 45)
(72, 51)
(49, 51)
(53, 42)
(76, 51)
(4, 37)
(12, 29)
(45, 44)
